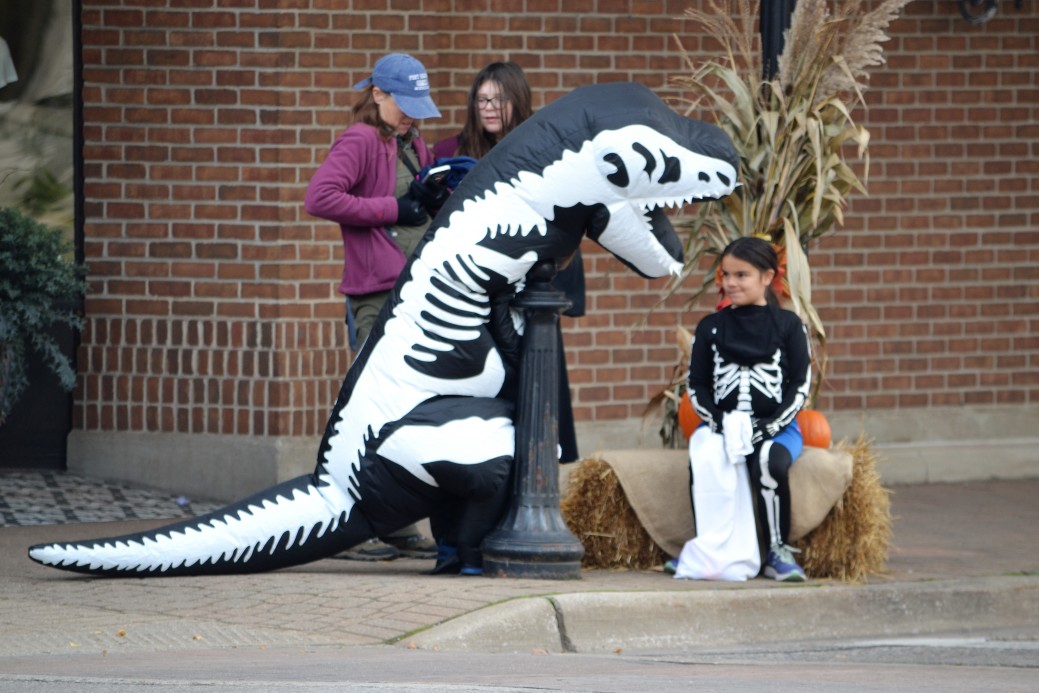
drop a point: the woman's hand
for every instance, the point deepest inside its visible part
(429, 195)
(410, 211)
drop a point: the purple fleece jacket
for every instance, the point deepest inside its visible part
(354, 187)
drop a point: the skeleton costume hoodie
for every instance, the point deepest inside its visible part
(751, 358)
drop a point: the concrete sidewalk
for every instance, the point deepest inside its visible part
(963, 556)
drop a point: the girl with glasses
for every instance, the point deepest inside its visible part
(499, 100)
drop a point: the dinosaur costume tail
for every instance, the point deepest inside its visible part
(246, 537)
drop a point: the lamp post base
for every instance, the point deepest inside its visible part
(542, 555)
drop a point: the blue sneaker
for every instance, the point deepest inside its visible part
(780, 564)
(470, 570)
(448, 562)
(671, 566)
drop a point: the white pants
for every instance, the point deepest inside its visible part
(726, 542)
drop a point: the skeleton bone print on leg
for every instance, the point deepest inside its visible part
(424, 415)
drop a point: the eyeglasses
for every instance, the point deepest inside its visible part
(493, 102)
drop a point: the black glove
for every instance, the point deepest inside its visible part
(431, 196)
(597, 221)
(410, 211)
(503, 330)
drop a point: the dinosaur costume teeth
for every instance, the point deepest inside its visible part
(423, 425)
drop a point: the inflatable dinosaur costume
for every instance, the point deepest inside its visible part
(423, 425)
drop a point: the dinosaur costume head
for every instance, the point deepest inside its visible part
(604, 160)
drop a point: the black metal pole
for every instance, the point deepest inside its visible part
(774, 20)
(532, 540)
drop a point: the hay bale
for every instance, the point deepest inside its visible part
(852, 542)
(599, 514)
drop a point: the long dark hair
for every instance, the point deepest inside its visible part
(759, 253)
(509, 77)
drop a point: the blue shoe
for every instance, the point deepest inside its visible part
(671, 566)
(780, 564)
(470, 569)
(448, 562)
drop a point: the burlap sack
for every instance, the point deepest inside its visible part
(656, 484)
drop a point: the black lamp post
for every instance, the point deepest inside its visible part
(775, 20)
(532, 539)
(980, 11)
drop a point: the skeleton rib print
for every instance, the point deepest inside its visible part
(423, 420)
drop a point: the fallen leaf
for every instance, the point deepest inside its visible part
(121, 633)
(539, 651)
(412, 645)
(73, 644)
(197, 637)
(618, 650)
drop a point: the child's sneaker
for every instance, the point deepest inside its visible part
(671, 566)
(780, 564)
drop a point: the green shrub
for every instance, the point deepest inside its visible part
(39, 286)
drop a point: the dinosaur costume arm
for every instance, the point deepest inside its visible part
(503, 328)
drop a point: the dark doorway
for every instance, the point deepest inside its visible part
(40, 140)
(35, 432)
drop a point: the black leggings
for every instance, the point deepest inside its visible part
(771, 485)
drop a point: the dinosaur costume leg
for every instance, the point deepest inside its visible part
(465, 496)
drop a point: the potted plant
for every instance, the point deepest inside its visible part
(40, 288)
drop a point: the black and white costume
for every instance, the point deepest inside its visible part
(424, 419)
(757, 360)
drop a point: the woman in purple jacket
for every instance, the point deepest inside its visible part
(368, 185)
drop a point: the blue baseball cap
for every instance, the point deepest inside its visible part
(404, 78)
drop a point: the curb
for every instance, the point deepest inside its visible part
(605, 622)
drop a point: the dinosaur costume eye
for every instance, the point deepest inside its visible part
(620, 176)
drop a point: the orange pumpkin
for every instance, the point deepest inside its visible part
(688, 419)
(815, 429)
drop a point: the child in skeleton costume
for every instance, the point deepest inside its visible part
(749, 376)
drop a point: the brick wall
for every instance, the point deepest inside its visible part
(931, 291)
(212, 306)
